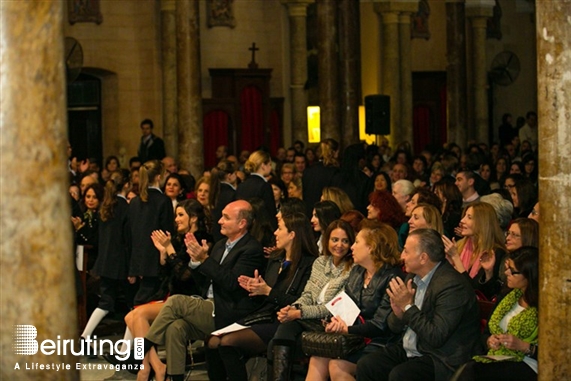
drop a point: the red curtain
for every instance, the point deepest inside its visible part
(252, 126)
(215, 134)
(421, 127)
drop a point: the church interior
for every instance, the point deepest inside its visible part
(244, 74)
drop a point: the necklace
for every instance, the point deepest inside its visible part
(367, 280)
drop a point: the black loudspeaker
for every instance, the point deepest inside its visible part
(378, 114)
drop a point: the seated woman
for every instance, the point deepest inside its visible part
(328, 277)
(287, 273)
(420, 195)
(513, 326)
(324, 212)
(479, 254)
(376, 253)
(425, 216)
(175, 189)
(384, 207)
(189, 218)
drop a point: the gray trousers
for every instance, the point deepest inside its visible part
(181, 319)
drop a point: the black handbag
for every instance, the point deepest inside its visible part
(261, 317)
(331, 345)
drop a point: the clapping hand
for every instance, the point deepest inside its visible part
(196, 251)
(401, 294)
(256, 285)
(161, 240)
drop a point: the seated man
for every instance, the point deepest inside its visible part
(222, 300)
(439, 319)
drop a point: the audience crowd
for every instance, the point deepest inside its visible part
(419, 242)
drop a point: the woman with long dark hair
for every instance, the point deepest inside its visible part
(513, 326)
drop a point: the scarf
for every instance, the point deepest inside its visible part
(524, 326)
(466, 256)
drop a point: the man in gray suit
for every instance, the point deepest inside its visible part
(436, 310)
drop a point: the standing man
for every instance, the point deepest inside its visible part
(435, 308)
(465, 181)
(152, 147)
(222, 300)
(529, 130)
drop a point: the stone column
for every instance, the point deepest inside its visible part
(456, 93)
(350, 66)
(479, 15)
(189, 93)
(168, 54)
(554, 117)
(297, 10)
(328, 69)
(407, 9)
(390, 66)
(37, 260)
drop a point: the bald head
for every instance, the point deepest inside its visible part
(236, 219)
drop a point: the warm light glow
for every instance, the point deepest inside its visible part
(370, 139)
(313, 124)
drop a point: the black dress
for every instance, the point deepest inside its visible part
(285, 291)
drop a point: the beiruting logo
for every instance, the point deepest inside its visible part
(25, 343)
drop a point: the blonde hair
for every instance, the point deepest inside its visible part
(147, 174)
(339, 197)
(487, 232)
(432, 217)
(329, 148)
(255, 161)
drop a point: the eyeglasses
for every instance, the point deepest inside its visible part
(513, 272)
(512, 234)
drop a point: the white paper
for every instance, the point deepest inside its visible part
(230, 328)
(79, 257)
(344, 307)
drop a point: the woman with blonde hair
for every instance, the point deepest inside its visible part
(338, 196)
(479, 253)
(151, 211)
(258, 167)
(377, 256)
(425, 216)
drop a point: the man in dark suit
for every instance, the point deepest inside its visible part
(439, 318)
(222, 300)
(152, 147)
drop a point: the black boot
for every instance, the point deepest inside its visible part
(215, 365)
(234, 362)
(282, 357)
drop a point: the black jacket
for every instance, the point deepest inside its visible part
(231, 302)
(114, 243)
(373, 301)
(255, 186)
(144, 217)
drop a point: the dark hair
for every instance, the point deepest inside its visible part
(326, 212)
(98, 189)
(430, 242)
(303, 244)
(134, 159)
(261, 229)
(280, 184)
(149, 122)
(425, 196)
(182, 194)
(387, 179)
(108, 160)
(531, 113)
(293, 205)
(195, 209)
(526, 260)
(529, 231)
(452, 195)
(223, 169)
(340, 224)
(114, 185)
(390, 211)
